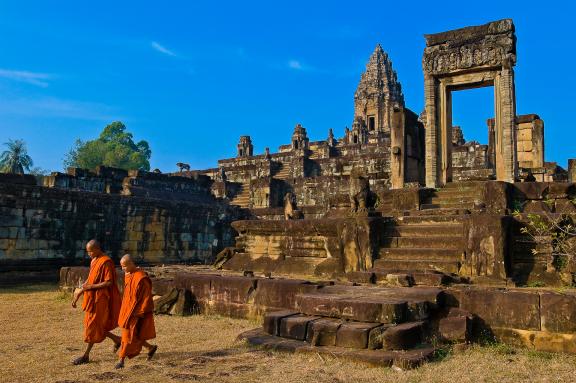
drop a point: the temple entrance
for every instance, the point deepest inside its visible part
(473, 57)
(472, 138)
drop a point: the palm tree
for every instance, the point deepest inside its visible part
(15, 159)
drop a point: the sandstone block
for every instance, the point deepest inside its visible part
(402, 336)
(322, 332)
(272, 321)
(455, 329)
(558, 312)
(354, 334)
(295, 327)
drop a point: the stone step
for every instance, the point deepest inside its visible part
(341, 333)
(472, 192)
(414, 265)
(464, 185)
(437, 211)
(425, 253)
(431, 219)
(453, 199)
(448, 230)
(423, 278)
(378, 358)
(442, 206)
(453, 242)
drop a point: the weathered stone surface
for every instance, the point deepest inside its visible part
(376, 337)
(366, 309)
(354, 334)
(281, 293)
(322, 332)
(272, 321)
(296, 327)
(233, 289)
(455, 328)
(499, 308)
(558, 312)
(403, 336)
(183, 304)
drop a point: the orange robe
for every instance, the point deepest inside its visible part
(101, 306)
(137, 313)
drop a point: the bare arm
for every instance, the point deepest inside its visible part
(96, 286)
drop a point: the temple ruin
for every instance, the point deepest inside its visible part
(398, 233)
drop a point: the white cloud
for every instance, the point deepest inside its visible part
(162, 49)
(46, 107)
(34, 78)
(295, 64)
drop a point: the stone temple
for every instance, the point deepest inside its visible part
(397, 234)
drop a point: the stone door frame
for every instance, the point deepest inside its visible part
(438, 90)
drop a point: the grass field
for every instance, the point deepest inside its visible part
(40, 334)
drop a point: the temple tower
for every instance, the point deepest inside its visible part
(377, 93)
(299, 139)
(245, 147)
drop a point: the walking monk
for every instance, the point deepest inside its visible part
(101, 302)
(137, 312)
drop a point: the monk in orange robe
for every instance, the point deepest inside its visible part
(101, 302)
(137, 313)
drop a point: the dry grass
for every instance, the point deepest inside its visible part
(40, 333)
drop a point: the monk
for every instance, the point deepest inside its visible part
(137, 313)
(101, 302)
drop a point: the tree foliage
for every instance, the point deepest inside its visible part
(114, 147)
(15, 159)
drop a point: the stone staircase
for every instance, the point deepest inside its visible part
(459, 195)
(421, 242)
(282, 172)
(242, 198)
(379, 326)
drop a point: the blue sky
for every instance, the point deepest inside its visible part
(191, 77)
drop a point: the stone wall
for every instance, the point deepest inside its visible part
(49, 226)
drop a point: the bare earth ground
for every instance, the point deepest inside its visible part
(40, 334)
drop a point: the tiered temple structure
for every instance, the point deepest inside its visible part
(409, 232)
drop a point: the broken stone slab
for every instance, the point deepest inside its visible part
(272, 320)
(354, 334)
(322, 332)
(403, 336)
(165, 302)
(183, 304)
(295, 327)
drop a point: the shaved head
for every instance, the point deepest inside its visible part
(127, 263)
(93, 248)
(94, 244)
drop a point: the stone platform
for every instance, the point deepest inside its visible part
(540, 319)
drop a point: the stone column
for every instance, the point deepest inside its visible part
(537, 143)
(506, 165)
(397, 159)
(572, 170)
(431, 132)
(445, 141)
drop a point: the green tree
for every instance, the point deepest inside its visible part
(15, 159)
(114, 147)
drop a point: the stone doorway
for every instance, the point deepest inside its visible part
(462, 59)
